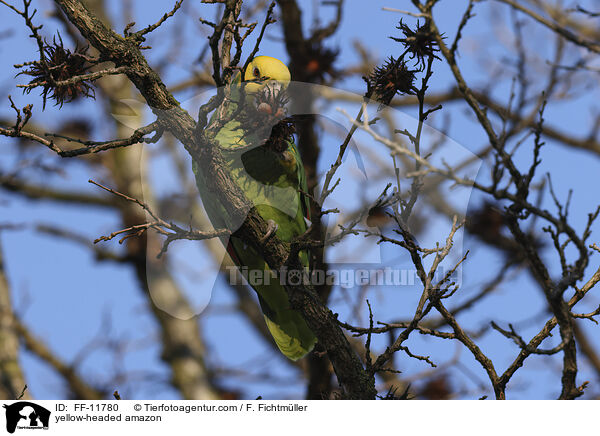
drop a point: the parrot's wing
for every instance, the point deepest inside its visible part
(302, 183)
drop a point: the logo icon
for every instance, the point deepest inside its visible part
(26, 415)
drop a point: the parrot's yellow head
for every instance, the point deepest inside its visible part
(265, 71)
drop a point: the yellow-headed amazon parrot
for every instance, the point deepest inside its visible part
(259, 151)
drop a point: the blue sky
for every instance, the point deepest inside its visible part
(64, 295)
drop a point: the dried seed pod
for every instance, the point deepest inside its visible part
(391, 78)
(60, 64)
(320, 62)
(420, 43)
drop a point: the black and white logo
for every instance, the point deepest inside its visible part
(26, 415)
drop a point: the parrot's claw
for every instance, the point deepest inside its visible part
(271, 229)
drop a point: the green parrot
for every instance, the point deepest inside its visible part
(259, 151)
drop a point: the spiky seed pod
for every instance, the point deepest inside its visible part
(419, 43)
(391, 78)
(61, 64)
(281, 134)
(319, 62)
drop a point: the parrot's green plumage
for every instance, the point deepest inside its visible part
(272, 177)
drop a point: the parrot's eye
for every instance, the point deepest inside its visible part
(256, 72)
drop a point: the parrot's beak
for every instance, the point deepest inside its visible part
(273, 88)
(271, 103)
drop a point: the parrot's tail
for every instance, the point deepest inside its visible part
(288, 328)
(290, 332)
